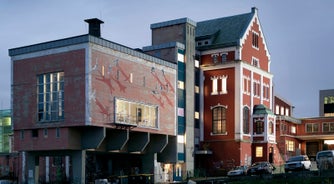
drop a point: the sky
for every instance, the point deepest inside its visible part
(299, 35)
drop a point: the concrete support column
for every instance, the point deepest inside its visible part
(79, 166)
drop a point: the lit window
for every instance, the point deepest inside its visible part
(180, 111)
(259, 151)
(196, 89)
(271, 127)
(138, 114)
(219, 120)
(196, 115)
(180, 84)
(224, 85)
(180, 57)
(180, 139)
(196, 63)
(290, 145)
(282, 110)
(50, 89)
(277, 109)
(214, 85)
(255, 40)
(293, 129)
(287, 112)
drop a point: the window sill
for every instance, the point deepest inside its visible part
(215, 134)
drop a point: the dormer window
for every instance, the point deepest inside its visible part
(214, 58)
(224, 57)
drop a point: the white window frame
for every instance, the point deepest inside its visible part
(224, 84)
(214, 85)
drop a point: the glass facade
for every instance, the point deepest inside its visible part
(5, 130)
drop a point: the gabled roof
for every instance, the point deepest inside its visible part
(226, 31)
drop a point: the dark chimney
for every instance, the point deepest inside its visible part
(94, 26)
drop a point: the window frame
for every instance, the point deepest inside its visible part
(50, 97)
(219, 120)
(246, 120)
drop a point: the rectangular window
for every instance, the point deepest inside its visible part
(312, 127)
(196, 63)
(214, 58)
(290, 145)
(287, 112)
(328, 127)
(34, 133)
(180, 84)
(255, 40)
(45, 132)
(223, 85)
(50, 91)
(180, 57)
(256, 88)
(214, 85)
(137, 114)
(255, 62)
(246, 85)
(259, 151)
(22, 134)
(259, 127)
(197, 89)
(277, 109)
(224, 57)
(293, 129)
(196, 115)
(57, 132)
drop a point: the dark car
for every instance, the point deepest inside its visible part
(261, 168)
(301, 162)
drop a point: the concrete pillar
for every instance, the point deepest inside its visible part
(79, 166)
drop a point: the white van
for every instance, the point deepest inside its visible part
(325, 159)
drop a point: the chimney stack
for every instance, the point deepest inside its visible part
(94, 27)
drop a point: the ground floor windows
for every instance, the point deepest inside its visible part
(259, 151)
(290, 145)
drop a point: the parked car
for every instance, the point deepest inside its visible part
(261, 168)
(325, 159)
(238, 171)
(301, 162)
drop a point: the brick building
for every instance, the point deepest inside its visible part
(85, 108)
(200, 97)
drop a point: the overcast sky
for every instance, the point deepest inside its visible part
(299, 35)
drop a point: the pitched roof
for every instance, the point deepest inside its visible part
(226, 31)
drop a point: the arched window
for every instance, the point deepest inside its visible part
(219, 120)
(271, 127)
(246, 120)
